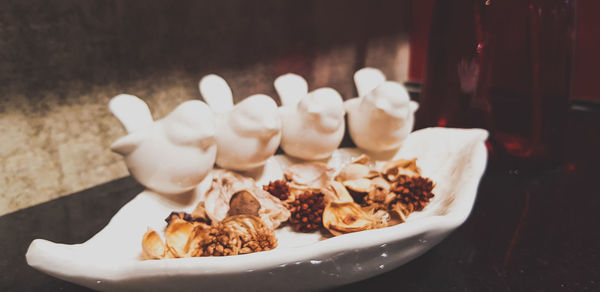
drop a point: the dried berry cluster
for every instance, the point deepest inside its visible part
(279, 189)
(413, 192)
(307, 212)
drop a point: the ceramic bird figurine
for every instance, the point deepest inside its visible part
(248, 133)
(171, 155)
(383, 114)
(312, 123)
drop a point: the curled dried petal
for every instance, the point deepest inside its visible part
(353, 171)
(362, 185)
(153, 246)
(176, 236)
(393, 169)
(312, 174)
(337, 193)
(340, 218)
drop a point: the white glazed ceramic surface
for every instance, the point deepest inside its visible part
(454, 159)
(383, 115)
(249, 132)
(312, 123)
(187, 134)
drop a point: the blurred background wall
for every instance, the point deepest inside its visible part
(61, 61)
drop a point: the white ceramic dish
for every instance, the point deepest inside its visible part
(455, 159)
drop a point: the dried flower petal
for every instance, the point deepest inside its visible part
(340, 218)
(394, 169)
(177, 235)
(336, 192)
(153, 246)
(353, 171)
(314, 175)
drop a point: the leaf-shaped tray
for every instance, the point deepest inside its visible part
(454, 159)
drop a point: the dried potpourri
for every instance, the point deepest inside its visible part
(238, 234)
(307, 212)
(358, 198)
(238, 218)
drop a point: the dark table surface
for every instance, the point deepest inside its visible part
(534, 227)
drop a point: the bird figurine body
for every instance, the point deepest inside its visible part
(249, 132)
(171, 155)
(312, 123)
(383, 115)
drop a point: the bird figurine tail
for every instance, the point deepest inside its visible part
(291, 88)
(216, 92)
(131, 111)
(366, 79)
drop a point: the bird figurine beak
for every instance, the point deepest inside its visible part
(384, 106)
(127, 144)
(413, 106)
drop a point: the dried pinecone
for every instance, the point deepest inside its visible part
(414, 192)
(278, 188)
(307, 212)
(187, 217)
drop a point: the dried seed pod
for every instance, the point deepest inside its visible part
(243, 202)
(177, 235)
(340, 218)
(393, 169)
(153, 246)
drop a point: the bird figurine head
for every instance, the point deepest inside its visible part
(313, 123)
(383, 115)
(171, 155)
(256, 116)
(249, 132)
